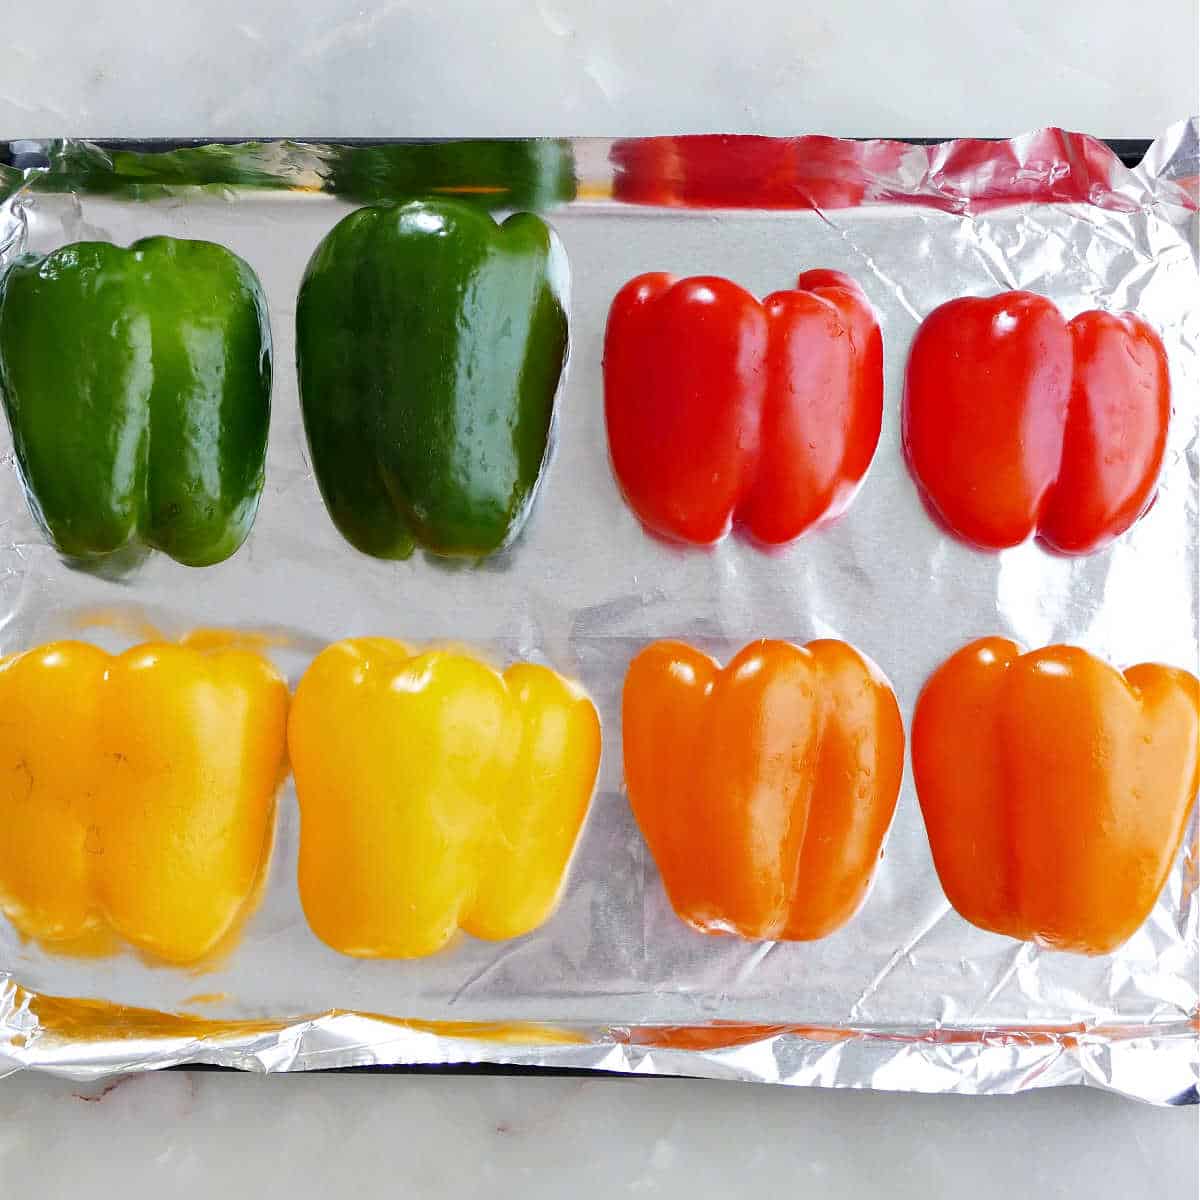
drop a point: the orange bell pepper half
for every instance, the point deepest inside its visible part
(1055, 789)
(765, 788)
(137, 792)
(435, 795)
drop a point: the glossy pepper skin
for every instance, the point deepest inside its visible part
(724, 409)
(137, 384)
(1055, 789)
(1018, 422)
(137, 792)
(430, 342)
(765, 788)
(435, 795)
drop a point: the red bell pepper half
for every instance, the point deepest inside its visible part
(721, 407)
(1017, 421)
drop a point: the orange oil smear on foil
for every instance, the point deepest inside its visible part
(137, 626)
(82, 1020)
(59, 1018)
(127, 622)
(234, 639)
(73, 1019)
(722, 1035)
(594, 191)
(96, 942)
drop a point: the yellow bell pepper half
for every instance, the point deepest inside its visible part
(435, 795)
(137, 792)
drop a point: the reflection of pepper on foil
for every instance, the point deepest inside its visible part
(1017, 421)
(435, 794)
(724, 409)
(1046, 166)
(764, 788)
(748, 171)
(492, 173)
(1055, 789)
(137, 792)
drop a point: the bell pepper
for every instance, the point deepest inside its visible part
(435, 794)
(1017, 421)
(1055, 789)
(721, 408)
(430, 342)
(137, 792)
(137, 383)
(764, 789)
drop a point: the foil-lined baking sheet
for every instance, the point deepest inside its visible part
(907, 995)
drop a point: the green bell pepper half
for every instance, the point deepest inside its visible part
(137, 385)
(430, 342)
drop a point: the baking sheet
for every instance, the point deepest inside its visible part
(907, 995)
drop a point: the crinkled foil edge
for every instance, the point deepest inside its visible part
(86, 1040)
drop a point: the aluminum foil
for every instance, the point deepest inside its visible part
(907, 995)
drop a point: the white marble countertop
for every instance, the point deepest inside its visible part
(622, 67)
(455, 67)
